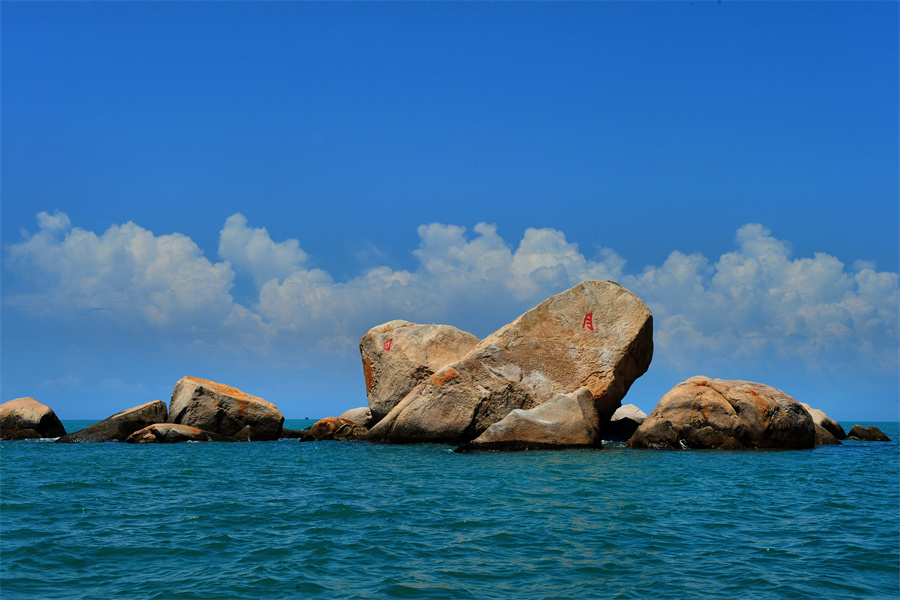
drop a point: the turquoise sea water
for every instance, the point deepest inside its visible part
(357, 520)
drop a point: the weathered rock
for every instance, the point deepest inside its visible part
(566, 421)
(290, 434)
(825, 437)
(333, 428)
(26, 418)
(170, 433)
(399, 355)
(359, 416)
(821, 419)
(596, 335)
(624, 423)
(225, 410)
(728, 415)
(119, 426)
(867, 434)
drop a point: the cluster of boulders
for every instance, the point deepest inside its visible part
(553, 378)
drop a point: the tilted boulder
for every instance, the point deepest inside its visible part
(566, 421)
(822, 420)
(333, 428)
(596, 335)
(624, 423)
(170, 433)
(225, 410)
(119, 426)
(728, 415)
(867, 434)
(26, 418)
(399, 355)
(359, 416)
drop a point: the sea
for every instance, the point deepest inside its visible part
(336, 520)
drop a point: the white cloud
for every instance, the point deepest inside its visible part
(253, 251)
(753, 302)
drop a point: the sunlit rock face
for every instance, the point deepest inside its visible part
(26, 418)
(596, 335)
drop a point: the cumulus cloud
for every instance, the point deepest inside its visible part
(754, 301)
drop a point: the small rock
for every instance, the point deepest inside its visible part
(119, 426)
(170, 433)
(820, 418)
(867, 434)
(26, 418)
(624, 423)
(359, 416)
(333, 428)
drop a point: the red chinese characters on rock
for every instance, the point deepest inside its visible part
(387, 344)
(588, 322)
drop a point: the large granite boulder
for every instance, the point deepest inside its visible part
(824, 421)
(728, 415)
(624, 423)
(119, 426)
(26, 418)
(596, 335)
(225, 410)
(358, 416)
(566, 421)
(333, 428)
(867, 434)
(399, 355)
(170, 433)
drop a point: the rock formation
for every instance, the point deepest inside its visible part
(359, 416)
(26, 418)
(119, 426)
(566, 421)
(596, 335)
(867, 434)
(170, 433)
(398, 355)
(822, 420)
(728, 415)
(624, 423)
(333, 428)
(224, 410)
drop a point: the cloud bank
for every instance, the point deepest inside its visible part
(756, 302)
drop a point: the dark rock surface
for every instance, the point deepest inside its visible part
(26, 418)
(867, 434)
(119, 426)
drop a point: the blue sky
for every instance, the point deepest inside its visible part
(239, 191)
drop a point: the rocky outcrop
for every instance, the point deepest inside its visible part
(222, 409)
(26, 418)
(399, 355)
(728, 415)
(867, 434)
(624, 423)
(358, 416)
(825, 437)
(596, 335)
(333, 428)
(170, 433)
(119, 426)
(566, 421)
(824, 421)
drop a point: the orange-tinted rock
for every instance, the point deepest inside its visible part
(399, 355)
(224, 410)
(728, 415)
(119, 426)
(26, 418)
(596, 335)
(170, 433)
(334, 428)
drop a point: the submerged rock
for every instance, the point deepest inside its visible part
(728, 415)
(867, 434)
(624, 423)
(119, 426)
(224, 410)
(566, 421)
(26, 418)
(596, 335)
(333, 428)
(170, 433)
(398, 355)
